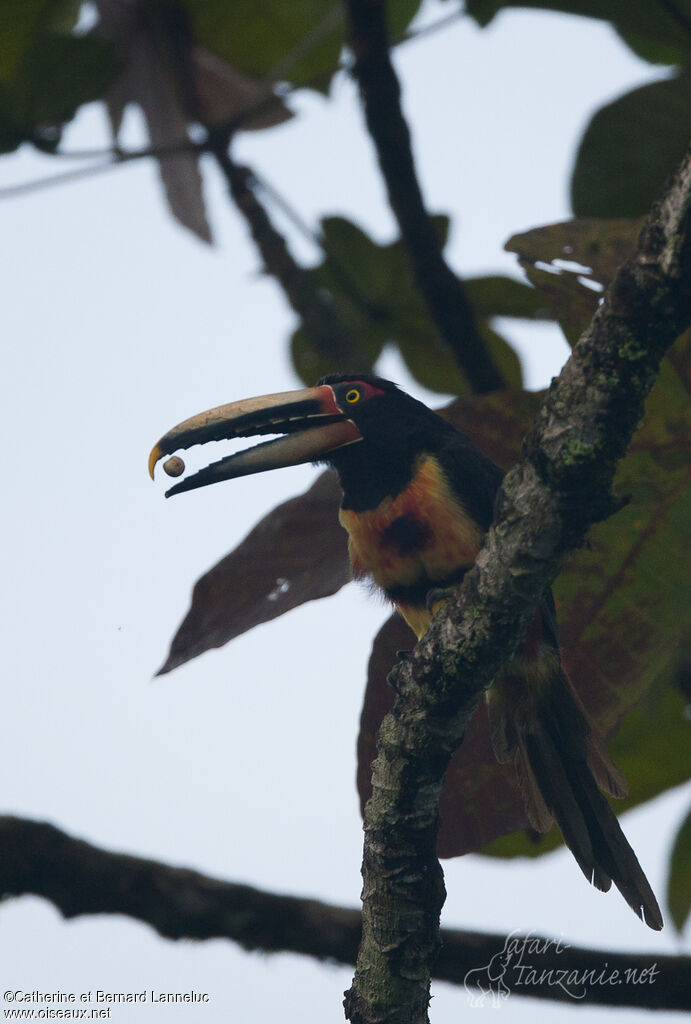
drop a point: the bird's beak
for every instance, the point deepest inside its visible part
(311, 420)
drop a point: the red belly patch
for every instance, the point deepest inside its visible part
(406, 534)
(423, 532)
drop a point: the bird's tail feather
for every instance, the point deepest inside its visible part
(561, 766)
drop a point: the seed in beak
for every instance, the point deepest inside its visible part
(174, 466)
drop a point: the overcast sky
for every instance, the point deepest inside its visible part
(118, 324)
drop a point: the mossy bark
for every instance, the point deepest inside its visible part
(548, 501)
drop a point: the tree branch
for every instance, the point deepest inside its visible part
(440, 287)
(80, 879)
(314, 307)
(547, 503)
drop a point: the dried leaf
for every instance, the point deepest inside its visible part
(167, 124)
(571, 263)
(297, 553)
(176, 83)
(148, 80)
(480, 798)
(224, 94)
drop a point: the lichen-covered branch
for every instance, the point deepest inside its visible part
(80, 879)
(547, 503)
(441, 288)
(315, 308)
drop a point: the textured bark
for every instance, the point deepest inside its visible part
(548, 501)
(440, 287)
(81, 879)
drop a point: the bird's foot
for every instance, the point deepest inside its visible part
(438, 594)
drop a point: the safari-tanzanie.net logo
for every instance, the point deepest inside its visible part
(529, 962)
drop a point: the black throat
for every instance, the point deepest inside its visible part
(397, 432)
(369, 475)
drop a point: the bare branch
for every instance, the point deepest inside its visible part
(547, 503)
(441, 288)
(81, 879)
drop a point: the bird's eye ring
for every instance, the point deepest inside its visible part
(352, 396)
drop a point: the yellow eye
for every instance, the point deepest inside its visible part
(352, 396)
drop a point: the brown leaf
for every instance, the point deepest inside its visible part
(480, 799)
(176, 83)
(572, 262)
(154, 90)
(147, 79)
(296, 553)
(395, 635)
(224, 94)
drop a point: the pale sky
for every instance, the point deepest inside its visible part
(118, 324)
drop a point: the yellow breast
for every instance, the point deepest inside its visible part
(423, 533)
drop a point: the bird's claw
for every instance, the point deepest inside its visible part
(437, 594)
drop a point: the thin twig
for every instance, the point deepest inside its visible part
(288, 210)
(441, 288)
(314, 306)
(377, 314)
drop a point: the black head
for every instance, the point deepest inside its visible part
(396, 430)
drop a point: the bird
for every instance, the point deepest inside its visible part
(418, 499)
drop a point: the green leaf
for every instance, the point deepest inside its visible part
(352, 274)
(635, 20)
(429, 360)
(298, 42)
(559, 258)
(630, 148)
(399, 15)
(652, 50)
(496, 295)
(311, 362)
(378, 301)
(21, 21)
(304, 38)
(626, 597)
(679, 881)
(506, 360)
(59, 73)
(56, 75)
